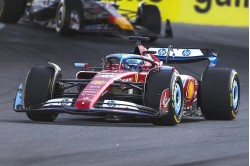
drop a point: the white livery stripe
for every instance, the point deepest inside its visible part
(119, 104)
(62, 102)
(177, 52)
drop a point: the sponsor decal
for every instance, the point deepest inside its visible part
(190, 90)
(98, 82)
(162, 52)
(136, 77)
(86, 98)
(105, 76)
(206, 5)
(215, 12)
(210, 12)
(66, 102)
(164, 101)
(89, 92)
(111, 103)
(186, 52)
(177, 52)
(119, 104)
(127, 79)
(94, 86)
(108, 73)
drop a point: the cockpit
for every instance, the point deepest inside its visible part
(128, 62)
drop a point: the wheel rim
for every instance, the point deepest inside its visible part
(60, 17)
(1, 6)
(235, 94)
(177, 99)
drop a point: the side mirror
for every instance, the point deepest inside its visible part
(81, 65)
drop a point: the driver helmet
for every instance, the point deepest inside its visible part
(133, 64)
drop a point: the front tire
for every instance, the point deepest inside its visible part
(220, 94)
(38, 89)
(69, 17)
(11, 10)
(157, 83)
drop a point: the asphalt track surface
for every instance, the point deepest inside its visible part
(80, 140)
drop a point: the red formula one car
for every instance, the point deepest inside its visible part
(134, 85)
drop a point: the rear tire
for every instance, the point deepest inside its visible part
(220, 94)
(11, 10)
(157, 82)
(37, 90)
(69, 17)
(149, 17)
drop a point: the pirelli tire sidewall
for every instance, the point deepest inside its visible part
(177, 116)
(157, 81)
(38, 89)
(63, 16)
(220, 94)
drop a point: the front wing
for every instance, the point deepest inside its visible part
(64, 105)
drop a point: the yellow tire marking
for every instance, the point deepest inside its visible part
(176, 119)
(233, 113)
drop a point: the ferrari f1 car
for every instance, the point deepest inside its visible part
(137, 84)
(70, 16)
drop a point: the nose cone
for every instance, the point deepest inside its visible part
(123, 23)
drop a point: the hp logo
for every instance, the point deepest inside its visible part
(186, 52)
(162, 51)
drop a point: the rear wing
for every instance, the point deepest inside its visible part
(180, 55)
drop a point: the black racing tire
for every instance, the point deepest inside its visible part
(157, 82)
(149, 17)
(68, 11)
(11, 10)
(220, 94)
(38, 89)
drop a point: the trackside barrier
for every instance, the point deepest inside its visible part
(209, 12)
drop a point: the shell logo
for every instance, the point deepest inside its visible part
(190, 90)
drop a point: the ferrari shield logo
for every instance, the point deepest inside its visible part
(136, 77)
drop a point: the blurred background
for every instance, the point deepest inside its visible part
(206, 12)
